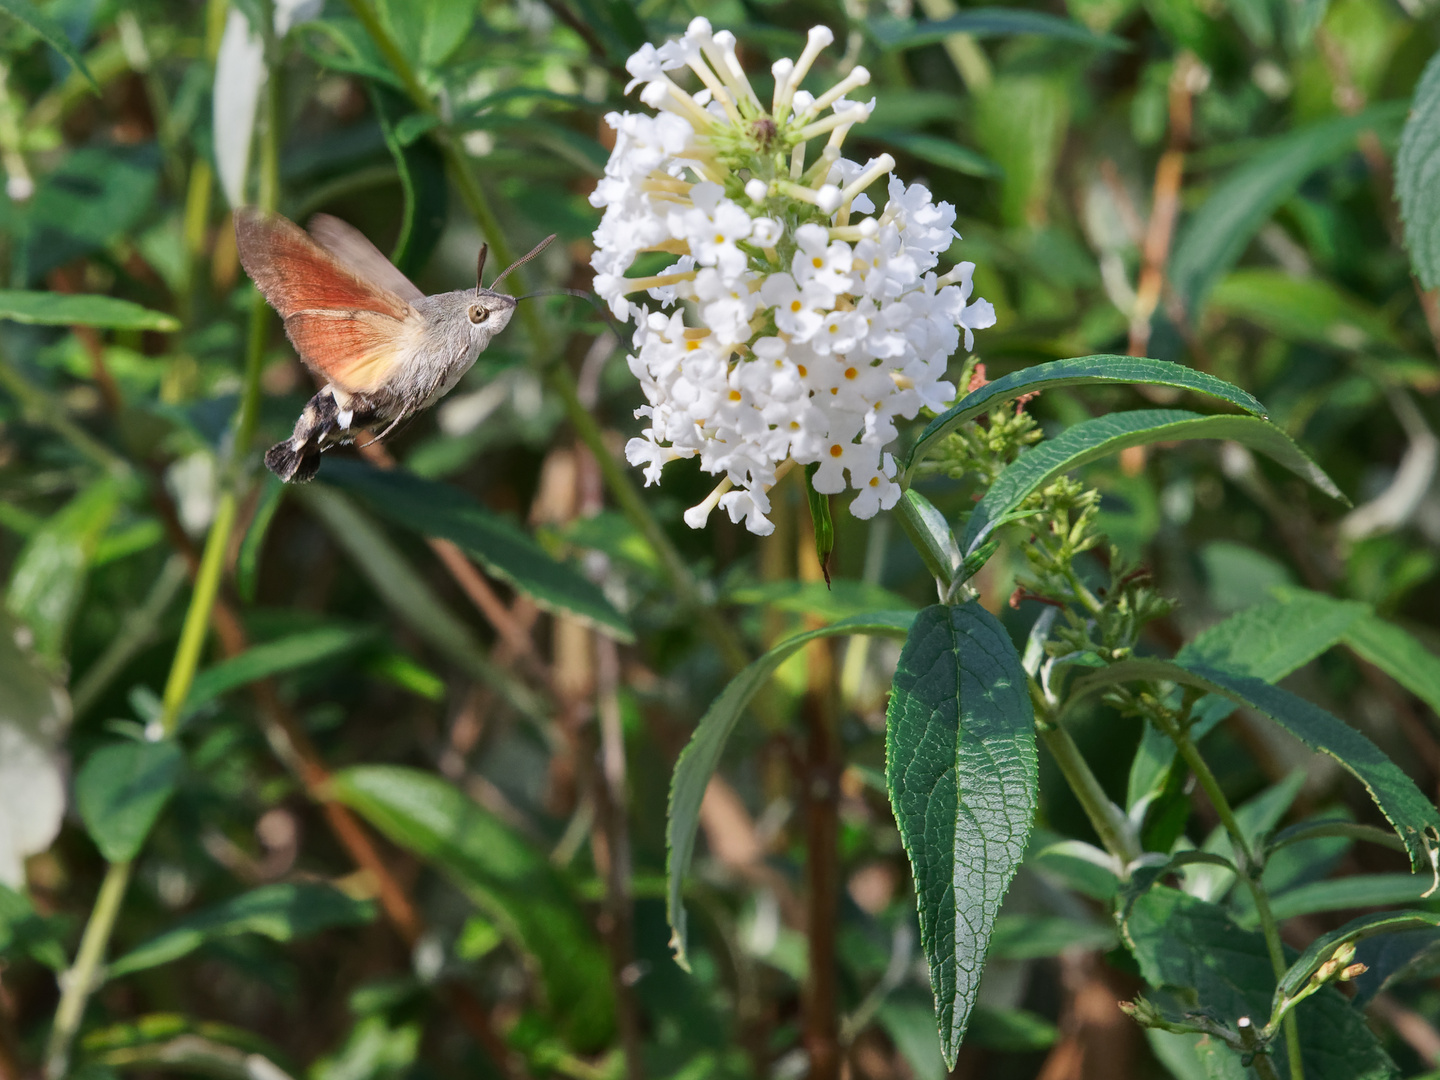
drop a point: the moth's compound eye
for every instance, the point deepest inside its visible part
(478, 314)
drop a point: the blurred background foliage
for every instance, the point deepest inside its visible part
(415, 821)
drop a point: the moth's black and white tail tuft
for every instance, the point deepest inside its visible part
(297, 459)
(291, 465)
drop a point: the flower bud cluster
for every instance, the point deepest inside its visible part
(820, 322)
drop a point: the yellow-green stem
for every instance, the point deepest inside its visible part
(1250, 874)
(1109, 823)
(79, 980)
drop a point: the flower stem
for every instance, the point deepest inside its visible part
(79, 980)
(1251, 875)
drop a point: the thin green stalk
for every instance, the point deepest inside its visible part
(135, 633)
(1109, 823)
(79, 980)
(1268, 925)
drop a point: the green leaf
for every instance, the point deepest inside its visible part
(1094, 439)
(945, 153)
(24, 932)
(1079, 370)
(1012, 1031)
(428, 31)
(507, 552)
(1029, 937)
(960, 763)
(1417, 177)
(1194, 948)
(1411, 814)
(1399, 654)
(422, 181)
(273, 658)
(51, 32)
(1344, 894)
(701, 756)
(1302, 308)
(1322, 948)
(247, 564)
(47, 579)
(282, 912)
(70, 309)
(932, 538)
(1219, 232)
(512, 883)
(988, 22)
(843, 598)
(121, 790)
(820, 520)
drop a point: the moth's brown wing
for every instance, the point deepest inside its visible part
(349, 330)
(349, 245)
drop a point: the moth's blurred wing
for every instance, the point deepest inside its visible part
(349, 245)
(349, 330)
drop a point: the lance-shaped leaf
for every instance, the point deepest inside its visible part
(512, 882)
(1414, 818)
(1218, 233)
(274, 658)
(282, 912)
(504, 550)
(701, 755)
(989, 22)
(69, 309)
(1094, 439)
(961, 768)
(1077, 371)
(51, 32)
(1323, 947)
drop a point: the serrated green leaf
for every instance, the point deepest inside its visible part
(1414, 818)
(51, 32)
(701, 756)
(892, 33)
(1103, 369)
(1192, 946)
(71, 309)
(1218, 233)
(1094, 439)
(507, 552)
(960, 763)
(282, 912)
(1417, 177)
(121, 790)
(274, 658)
(1399, 654)
(512, 883)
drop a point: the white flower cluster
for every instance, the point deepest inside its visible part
(820, 322)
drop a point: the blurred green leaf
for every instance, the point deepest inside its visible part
(892, 33)
(1399, 654)
(960, 763)
(51, 32)
(514, 884)
(701, 756)
(1029, 937)
(1302, 308)
(842, 599)
(820, 522)
(1216, 235)
(47, 579)
(1077, 371)
(247, 564)
(121, 790)
(71, 309)
(1359, 891)
(23, 932)
(273, 658)
(283, 912)
(427, 31)
(422, 181)
(1094, 439)
(1417, 177)
(945, 153)
(436, 509)
(1012, 1031)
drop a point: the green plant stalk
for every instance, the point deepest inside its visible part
(78, 981)
(135, 633)
(1191, 753)
(1109, 823)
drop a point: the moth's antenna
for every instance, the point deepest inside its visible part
(522, 261)
(480, 266)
